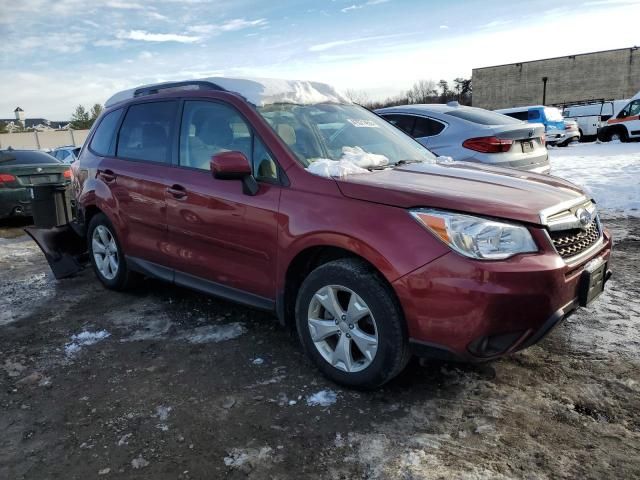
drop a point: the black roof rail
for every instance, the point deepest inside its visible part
(198, 84)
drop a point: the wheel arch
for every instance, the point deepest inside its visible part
(303, 263)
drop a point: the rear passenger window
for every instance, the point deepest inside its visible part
(426, 127)
(524, 116)
(146, 132)
(403, 122)
(102, 141)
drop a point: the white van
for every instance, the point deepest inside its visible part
(592, 116)
(625, 125)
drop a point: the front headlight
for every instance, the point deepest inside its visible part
(476, 237)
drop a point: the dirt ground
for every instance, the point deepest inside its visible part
(164, 383)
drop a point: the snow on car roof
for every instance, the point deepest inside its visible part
(259, 91)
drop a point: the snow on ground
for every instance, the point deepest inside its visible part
(609, 172)
(214, 333)
(84, 339)
(323, 398)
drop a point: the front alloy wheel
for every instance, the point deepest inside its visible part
(343, 328)
(350, 324)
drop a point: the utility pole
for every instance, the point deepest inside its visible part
(544, 90)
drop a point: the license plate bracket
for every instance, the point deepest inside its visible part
(592, 282)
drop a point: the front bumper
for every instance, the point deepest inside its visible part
(458, 308)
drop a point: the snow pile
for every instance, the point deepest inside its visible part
(247, 459)
(214, 333)
(162, 413)
(323, 398)
(444, 159)
(84, 339)
(261, 91)
(609, 173)
(265, 91)
(354, 160)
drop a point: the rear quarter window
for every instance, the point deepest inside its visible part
(25, 157)
(102, 141)
(482, 117)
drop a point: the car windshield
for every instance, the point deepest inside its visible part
(552, 114)
(323, 130)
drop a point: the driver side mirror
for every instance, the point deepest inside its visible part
(234, 166)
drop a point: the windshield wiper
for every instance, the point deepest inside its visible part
(406, 162)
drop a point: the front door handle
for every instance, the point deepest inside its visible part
(107, 175)
(178, 191)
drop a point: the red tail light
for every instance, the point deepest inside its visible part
(543, 140)
(7, 178)
(488, 144)
(67, 173)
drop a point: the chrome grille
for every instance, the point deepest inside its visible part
(569, 243)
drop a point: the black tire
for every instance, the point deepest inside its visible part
(124, 278)
(608, 134)
(392, 352)
(624, 134)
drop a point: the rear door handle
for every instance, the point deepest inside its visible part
(107, 175)
(178, 191)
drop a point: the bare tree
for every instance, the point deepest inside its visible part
(422, 91)
(358, 96)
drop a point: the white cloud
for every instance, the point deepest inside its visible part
(65, 43)
(108, 43)
(444, 27)
(124, 5)
(362, 5)
(350, 8)
(156, 15)
(145, 36)
(228, 26)
(321, 47)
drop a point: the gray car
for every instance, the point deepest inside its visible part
(473, 135)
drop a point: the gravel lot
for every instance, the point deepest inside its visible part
(164, 383)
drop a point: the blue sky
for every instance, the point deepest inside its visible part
(57, 54)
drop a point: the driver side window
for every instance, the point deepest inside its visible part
(210, 128)
(624, 112)
(634, 108)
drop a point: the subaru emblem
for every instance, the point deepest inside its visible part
(583, 216)
(530, 133)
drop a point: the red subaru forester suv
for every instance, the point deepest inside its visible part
(284, 196)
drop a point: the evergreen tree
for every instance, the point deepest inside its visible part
(80, 120)
(95, 112)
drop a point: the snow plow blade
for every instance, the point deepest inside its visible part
(63, 248)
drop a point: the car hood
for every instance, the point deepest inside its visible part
(465, 187)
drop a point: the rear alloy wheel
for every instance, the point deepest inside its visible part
(351, 325)
(106, 255)
(105, 252)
